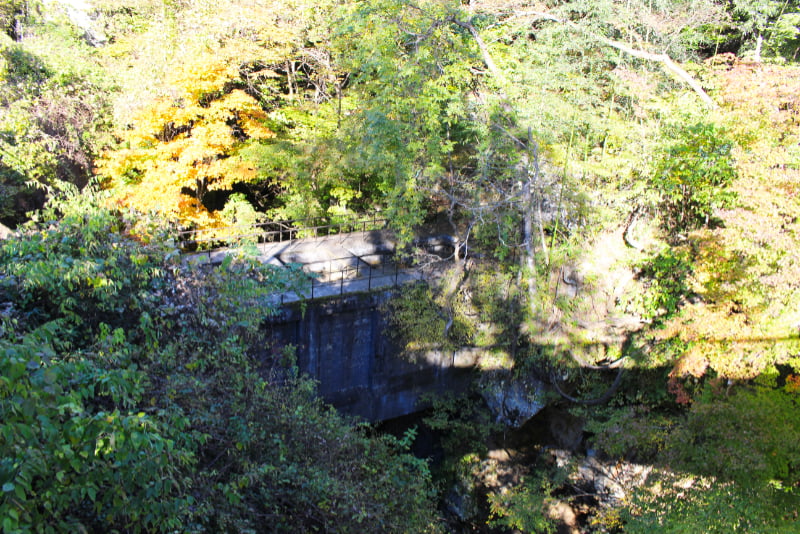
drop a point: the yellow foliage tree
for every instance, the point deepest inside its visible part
(186, 144)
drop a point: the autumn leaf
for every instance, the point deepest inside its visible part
(186, 144)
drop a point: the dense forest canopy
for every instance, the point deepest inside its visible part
(619, 178)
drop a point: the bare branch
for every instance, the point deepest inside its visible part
(485, 55)
(664, 59)
(602, 399)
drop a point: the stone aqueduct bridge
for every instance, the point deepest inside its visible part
(340, 332)
(344, 343)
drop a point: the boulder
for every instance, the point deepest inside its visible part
(5, 231)
(514, 401)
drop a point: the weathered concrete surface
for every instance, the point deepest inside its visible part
(343, 344)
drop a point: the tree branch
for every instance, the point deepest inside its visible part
(626, 232)
(605, 397)
(485, 55)
(664, 59)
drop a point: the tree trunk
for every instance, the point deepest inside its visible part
(759, 43)
(289, 79)
(527, 226)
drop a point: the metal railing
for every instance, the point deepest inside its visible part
(353, 279)
(274, 231)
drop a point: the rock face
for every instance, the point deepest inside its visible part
(609, 481)
(514, 401)
(566, 430)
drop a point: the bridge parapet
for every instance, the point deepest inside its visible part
(337, 265)
(275, 232)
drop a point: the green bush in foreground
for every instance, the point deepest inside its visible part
(131, 398)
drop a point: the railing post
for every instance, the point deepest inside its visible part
(312, 289)
(341, 284)
(369, 283)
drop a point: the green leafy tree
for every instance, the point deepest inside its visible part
(682, 502)
(80, 447)
(12, 14)
(409, 84)
(766, 20)
(734, 461)
(693, 176)
(54, 115)
(785, 35)
(667, 276)
(526, 507)
(750, 437)
(75, 454)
